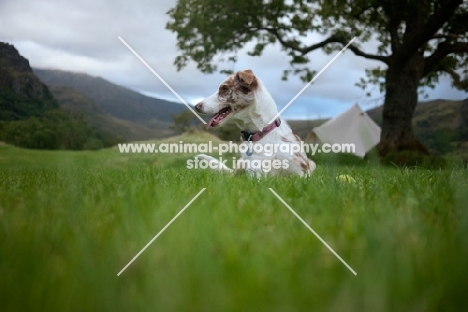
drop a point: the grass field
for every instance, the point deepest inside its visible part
(70, 221)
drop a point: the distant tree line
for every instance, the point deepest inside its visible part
(55, 129)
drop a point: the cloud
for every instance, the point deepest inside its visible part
(82, 36)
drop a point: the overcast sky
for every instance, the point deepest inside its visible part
(82, 36)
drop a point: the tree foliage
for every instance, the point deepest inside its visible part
(15, 107)
(55, 129)
(207, 29)
(183, 121)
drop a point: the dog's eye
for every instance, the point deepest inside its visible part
(224, 88)
(244, 89)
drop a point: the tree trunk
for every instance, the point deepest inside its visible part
(401, 98)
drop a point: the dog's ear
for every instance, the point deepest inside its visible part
(246, 78)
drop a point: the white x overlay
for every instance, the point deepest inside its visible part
(277, 115)
(163, 229)
(160, 78)
(313, 232)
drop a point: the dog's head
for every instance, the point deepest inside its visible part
(234, 96)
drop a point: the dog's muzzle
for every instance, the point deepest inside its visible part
(199, 107)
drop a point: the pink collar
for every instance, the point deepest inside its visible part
(256, 136)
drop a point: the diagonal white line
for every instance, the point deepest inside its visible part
(160, 232)
(313, 232)
(159, 77)
(313, 79)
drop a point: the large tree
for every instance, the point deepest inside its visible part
(418, 40)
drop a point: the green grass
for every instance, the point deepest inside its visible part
(70, 221)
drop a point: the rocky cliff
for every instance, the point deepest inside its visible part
(22, 94)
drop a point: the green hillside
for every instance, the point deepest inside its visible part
(441, 125)
(115, 100)
(75, 101)
(303, 127)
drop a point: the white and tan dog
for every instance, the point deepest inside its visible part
(243, 99)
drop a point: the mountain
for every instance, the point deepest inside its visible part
(72, 100)
(303, 127)
(441, 125)
(22, 94)
(116, 100)
(438, 113)
(30, 116)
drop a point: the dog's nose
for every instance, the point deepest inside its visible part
(198, 107)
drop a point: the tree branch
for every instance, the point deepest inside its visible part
(332, 39)
(443, 49)
(393, 10)
(359, 52)
(447, 36)
(457, 81)
(423, 34)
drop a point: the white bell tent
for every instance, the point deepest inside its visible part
(353, 126)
